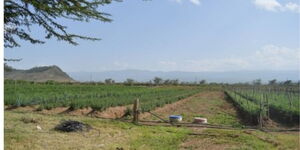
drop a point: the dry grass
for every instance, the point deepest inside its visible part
(107, 134)
(238, 139)
(211, 105)
(21, 131)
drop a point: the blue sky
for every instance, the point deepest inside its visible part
(177, 35)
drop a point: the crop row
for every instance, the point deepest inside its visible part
(282, 106)
(249, 109)
(98, 97)
(286, 102)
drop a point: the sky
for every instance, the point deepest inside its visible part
(176, 35)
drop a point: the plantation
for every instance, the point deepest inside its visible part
(209, 101)
(280, 103)
(98, 97)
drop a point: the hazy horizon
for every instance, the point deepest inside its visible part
(224, 77)
(185, 76)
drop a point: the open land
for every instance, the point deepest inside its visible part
(28, 127)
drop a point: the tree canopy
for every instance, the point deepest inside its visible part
(21, 15)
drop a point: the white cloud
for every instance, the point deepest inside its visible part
(224, 64)
(177, 1)
(195, 2)
(292, 7)
(278, 57)
(275, 6)
(268, 57)
(270, 5)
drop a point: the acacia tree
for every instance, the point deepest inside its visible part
(157, 80)
(109, 81)
(272, 82)
(21, 15)
(256, 82)
(129, 81)
(202, 82)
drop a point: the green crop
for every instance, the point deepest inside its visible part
(98, 97)
(280, 102)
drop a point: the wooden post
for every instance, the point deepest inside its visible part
(136, 111)
(268, 107)
(260, 112)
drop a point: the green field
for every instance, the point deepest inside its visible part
(209, 101)
(268, 102)
(112, 134)
(279, 103)
(98, 97)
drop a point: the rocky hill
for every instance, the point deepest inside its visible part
(38, 74)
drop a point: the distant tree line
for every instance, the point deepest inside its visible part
(157, 81)
(274, 82)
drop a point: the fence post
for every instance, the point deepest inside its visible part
(136, 111)
(260, 112)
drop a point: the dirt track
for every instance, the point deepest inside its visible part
(170, 107)
(205, 104)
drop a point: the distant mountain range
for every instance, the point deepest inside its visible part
(228, 77)
(45, 73)
(38, 74)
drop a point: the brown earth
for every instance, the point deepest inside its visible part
(25, 108)
(211, 105)
(79, 112)
(205, 104)
(109, 113)
(169, 107)
(112, 112)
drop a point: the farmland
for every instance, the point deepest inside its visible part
(224, 106)
(114, 134)
(98, 97)
(280, 103)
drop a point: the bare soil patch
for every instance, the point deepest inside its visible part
(211, 105)
(111, 113)
(168, 107)
(56, 110)
(23, 108)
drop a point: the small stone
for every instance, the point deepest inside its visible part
(39, 127)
